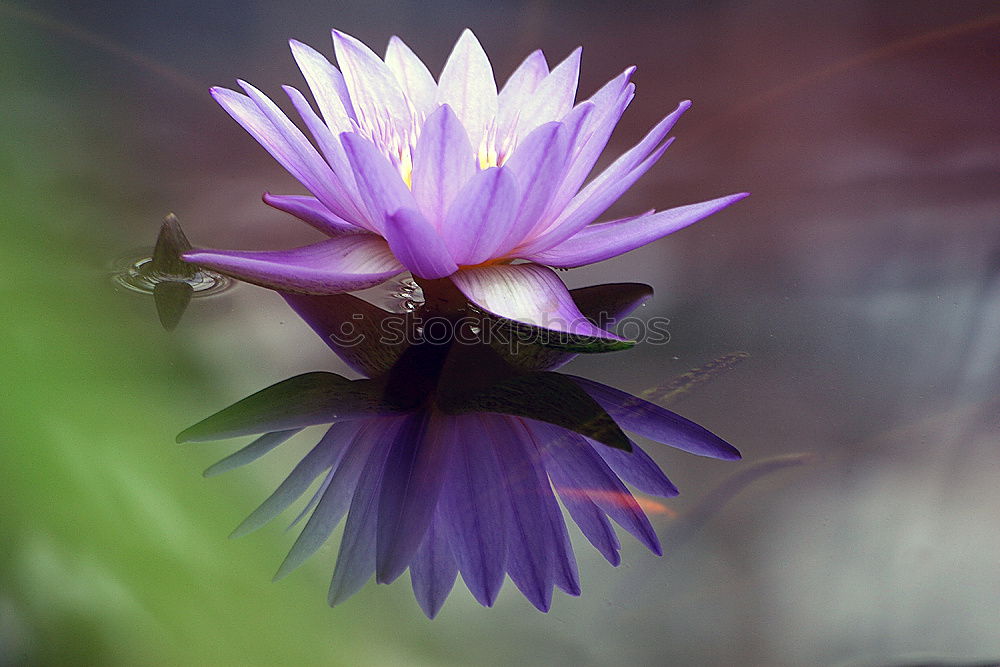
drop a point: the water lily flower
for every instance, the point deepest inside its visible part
(450, 179)
(445, 461)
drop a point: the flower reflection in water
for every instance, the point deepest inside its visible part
(444, 459)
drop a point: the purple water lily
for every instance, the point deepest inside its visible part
(445, 462)
(451, 179)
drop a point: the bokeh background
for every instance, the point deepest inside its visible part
(861, 277)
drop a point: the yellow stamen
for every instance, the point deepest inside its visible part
(488, 158)
(489, 262)
(406, 169)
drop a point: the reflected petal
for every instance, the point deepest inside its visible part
(414, 474)
(368, 339)
(577, 469)
(335, 498)
(433, 571)
(324, 455)
(251, 452)
(473, 513)
(356, 557)
(656, 423)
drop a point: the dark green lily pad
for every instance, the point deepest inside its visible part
(304, 400)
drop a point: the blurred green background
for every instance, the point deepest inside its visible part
(113, 548)
(861, 278)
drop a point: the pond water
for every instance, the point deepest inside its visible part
(852, 302)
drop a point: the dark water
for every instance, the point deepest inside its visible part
(860, 279)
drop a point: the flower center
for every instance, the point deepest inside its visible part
(398, 144)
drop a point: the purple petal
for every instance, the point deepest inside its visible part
(324, 455)
(375, 94)
(433, 570)
(356, 557)
(596, 243)
(341, 181)
(337, 265)
(282, 140)
(638, 153)
(355, 442)
(637, 469)
(527, 293)
(246, 113)
(589, 209)
(251, 452)
(525, 79)
(364, 336)
(466, 83)
(473, 511)
(417, 245)
(310, 210)
(443, 162)
(518, 89)
(417, 83)
(609, 104)
(553, 97)
(481, 216)
(327, 86)
(414, 473)
(593, 524)
(316, 173)
(537, 165)
(309, 506)
(531, 544)
(656, 423)
(609, 185)
(575, 124)
(602, 304)
(566, 575)
(380, 184)
(576, 468)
